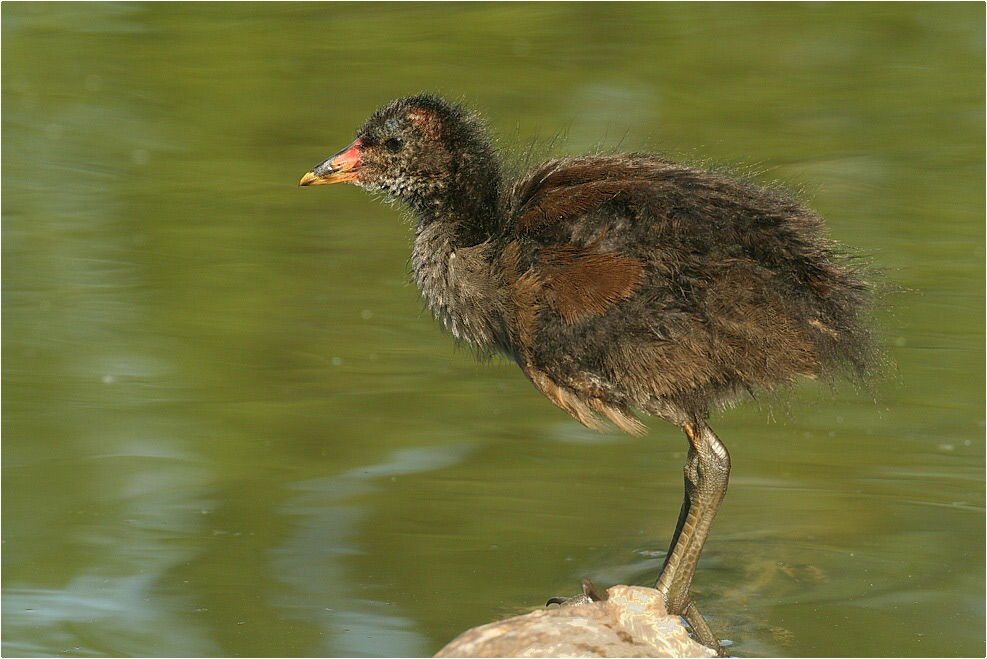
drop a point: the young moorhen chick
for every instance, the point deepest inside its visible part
(617, 283)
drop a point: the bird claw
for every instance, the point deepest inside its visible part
(590, 594)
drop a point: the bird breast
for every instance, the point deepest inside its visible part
(458, 286)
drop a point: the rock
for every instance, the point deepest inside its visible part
(631, 622)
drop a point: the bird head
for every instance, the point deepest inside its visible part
(413, 148)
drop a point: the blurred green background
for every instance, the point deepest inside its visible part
(229, 428)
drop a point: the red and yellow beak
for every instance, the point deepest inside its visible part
(339, 168)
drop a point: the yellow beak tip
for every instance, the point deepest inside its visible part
(308, 179)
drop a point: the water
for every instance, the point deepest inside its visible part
(230, 430)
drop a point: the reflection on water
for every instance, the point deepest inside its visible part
(101, 602)
(225, 414)
(329, 529)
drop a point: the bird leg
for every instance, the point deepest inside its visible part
(707, 469)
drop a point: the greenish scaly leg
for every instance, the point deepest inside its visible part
(707, 470)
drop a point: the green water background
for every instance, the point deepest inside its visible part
(229, 428)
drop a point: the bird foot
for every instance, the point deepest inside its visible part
(700, 631)
(590, 594)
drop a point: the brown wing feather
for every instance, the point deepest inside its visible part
(566, 188)
(558, 204)
(582, 283)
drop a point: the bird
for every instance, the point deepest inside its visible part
(620, 284)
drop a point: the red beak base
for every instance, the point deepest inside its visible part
(339, 168)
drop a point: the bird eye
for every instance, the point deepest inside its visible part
(394, 143)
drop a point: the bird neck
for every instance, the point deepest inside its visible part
(452, 250)
(468, 206)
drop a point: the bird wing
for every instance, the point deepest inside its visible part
(569, 187)
(580, 282)
(553, 208)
